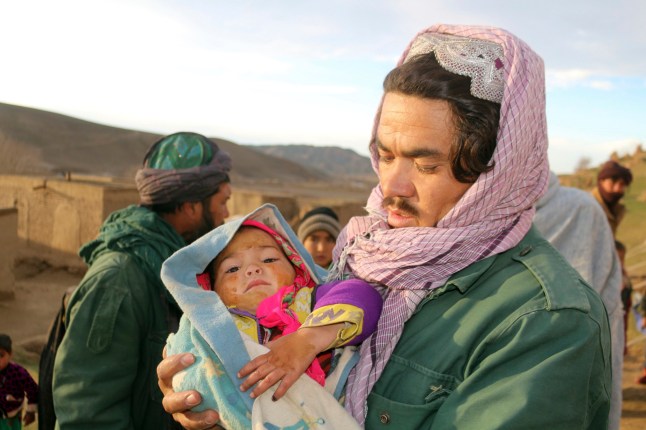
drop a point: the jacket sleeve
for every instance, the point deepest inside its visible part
(353, 302)
(97, 360)
(535, 374)
(30, 388)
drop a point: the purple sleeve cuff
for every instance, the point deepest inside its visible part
(357, 293)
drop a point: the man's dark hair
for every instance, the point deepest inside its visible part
(172, 207)
(5, 342)
(476, 120)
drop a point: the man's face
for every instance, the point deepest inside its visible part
(251, 268)
(612, 189)
(320, 245)
(217, 210)
(414, 138)
(211, 213)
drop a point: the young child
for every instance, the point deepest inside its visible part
(263, 282)
(15, 383)
(269, 289)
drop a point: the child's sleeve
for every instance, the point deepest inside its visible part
(30, 387)
(353, 302)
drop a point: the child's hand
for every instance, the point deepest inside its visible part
(28, 418)
(289, 358)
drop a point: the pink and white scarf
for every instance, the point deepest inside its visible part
(493, 215)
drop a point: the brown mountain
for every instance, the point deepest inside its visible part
(46, 142)
(332, 160)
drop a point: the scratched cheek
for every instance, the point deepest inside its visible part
(284, 277)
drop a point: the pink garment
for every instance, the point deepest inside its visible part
(491, 217)
(274, 311)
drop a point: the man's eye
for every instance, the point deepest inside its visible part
(426, 169)
(385, 158)
(232, 269)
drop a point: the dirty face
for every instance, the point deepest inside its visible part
(251, 268)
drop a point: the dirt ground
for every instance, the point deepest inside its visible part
(39, 288)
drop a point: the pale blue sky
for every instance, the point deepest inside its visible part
(308, 72)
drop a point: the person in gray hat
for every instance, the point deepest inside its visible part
(318, 231)
(120, 315)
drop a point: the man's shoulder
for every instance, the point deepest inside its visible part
(118, 271)
(543, 268)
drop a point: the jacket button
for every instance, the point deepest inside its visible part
(525, 251)
(384, 418)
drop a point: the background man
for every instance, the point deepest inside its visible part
(612, 181)
(119, 317)
(573, 223)
(485, 326)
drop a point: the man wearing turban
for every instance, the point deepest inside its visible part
(612, 181)
(120, 315)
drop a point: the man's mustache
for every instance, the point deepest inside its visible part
(400, 204)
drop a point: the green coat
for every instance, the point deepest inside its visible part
(515, 341)
(117, 324)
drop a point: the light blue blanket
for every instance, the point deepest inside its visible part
(208, 330)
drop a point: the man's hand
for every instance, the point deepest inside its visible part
(179, 404)
(288, 358)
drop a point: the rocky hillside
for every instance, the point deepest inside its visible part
(36, 141)
(329, 159)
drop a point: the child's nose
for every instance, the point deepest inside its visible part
(253, 269)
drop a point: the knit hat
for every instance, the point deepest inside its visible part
(614, 170)
(182, 167)
(321, 218)
(5, 342)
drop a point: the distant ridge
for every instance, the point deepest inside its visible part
(329, 159)
(58, 143)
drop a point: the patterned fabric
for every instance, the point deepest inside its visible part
(15, 384)
(480, 60)
(182, 167)
(491, 217)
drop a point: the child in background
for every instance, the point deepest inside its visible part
(318, 231)
(15, 383)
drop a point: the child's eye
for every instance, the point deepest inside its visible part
(232, 269)
(269, 260)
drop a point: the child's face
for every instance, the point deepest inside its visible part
(251, 268)
(5, 356)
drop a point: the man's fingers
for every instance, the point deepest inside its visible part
(169, 366)
(205, 420)
(180, 402)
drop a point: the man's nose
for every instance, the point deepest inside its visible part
(396, 181)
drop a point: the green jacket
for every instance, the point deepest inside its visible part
(118, 320)
(515, 341)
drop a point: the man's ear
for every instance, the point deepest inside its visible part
(189, 209)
